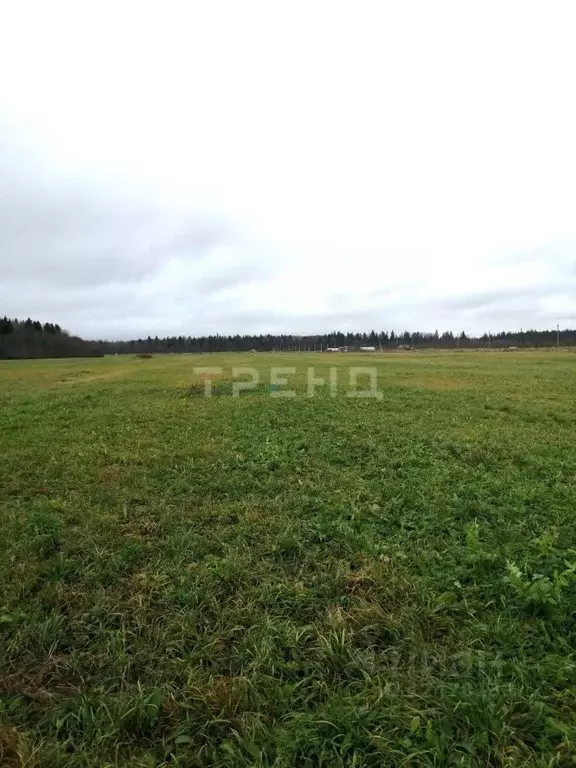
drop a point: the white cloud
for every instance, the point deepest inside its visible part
(392, 155)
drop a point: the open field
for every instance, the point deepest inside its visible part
(271, 581)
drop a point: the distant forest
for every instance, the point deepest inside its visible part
(32, 339)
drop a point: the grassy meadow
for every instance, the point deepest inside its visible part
(275, 581)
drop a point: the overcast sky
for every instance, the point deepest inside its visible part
(200, 167)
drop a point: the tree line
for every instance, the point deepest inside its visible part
(385, 340)
(32, 339)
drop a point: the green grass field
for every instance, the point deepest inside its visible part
(271, 581)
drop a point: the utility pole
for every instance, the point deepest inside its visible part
(557, 337)
(489, 341)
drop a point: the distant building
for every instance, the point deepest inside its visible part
(367, 349)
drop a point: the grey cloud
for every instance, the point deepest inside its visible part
(80, 237)
(345, 303)
(477, 313)
(92, 259)
(83, 255)
(284, 321)
(60, 230)
(231, 277)
(487, 300)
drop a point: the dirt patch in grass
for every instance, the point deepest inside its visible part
(11, 754)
